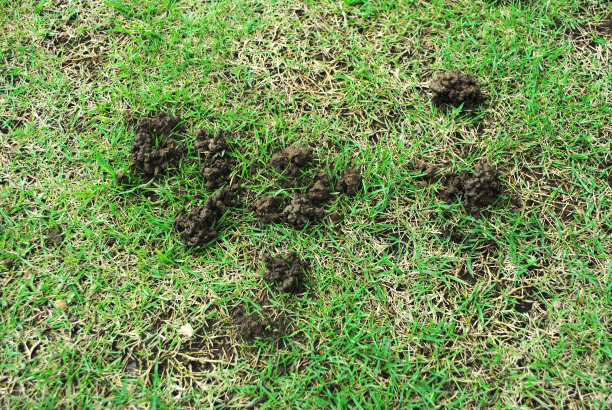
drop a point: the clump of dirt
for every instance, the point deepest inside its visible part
(287, 272)
(605, 26)
(454, 88)
(254, 325)
(209, 145)
(320, 190)
(54, 238)
(267, 208)
(425, 172)
(306, 207)
(291, 160)
(350, 182)
(475, 190)
(198, 227)
(121, 178)
(218, 173)
(152, 148)
(301, 211)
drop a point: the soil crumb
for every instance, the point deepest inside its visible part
(54, 238)
(475, 190)
(121, 178)
(301, 211)
(425, 172)
(454, 88)
(287, 272)
(254, 325)
(198, 227)
(350, 182)
(152, 148)
(218, 173)
(267, 208)
(210, 145)
(291, 160)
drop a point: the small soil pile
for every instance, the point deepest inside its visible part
(218, 173)
(291, 160)
(214, 151)
(350, 183)
(267, 208)
(305, 208)
(209, 145)
(425, 172)
(254, 325)
(152, 148)
(476, 191)
(198, 227)
(54, 238)
(301, 211)
(605, 27)
(454, 88)
(287, 272)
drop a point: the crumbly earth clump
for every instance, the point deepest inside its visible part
(198, 227)
(267, 208)
(152, 147)
(254, 325)
(454, 88)
(350, 182)
(301, 211)
(475, 190)
(210, 145)
(287, 272)
(218, 173)
(291, 160)
(320, 190)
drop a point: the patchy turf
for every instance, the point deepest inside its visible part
(493, 290)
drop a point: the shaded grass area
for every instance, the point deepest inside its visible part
(410, 301)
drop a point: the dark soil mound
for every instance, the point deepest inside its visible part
(267, 208)
(320, 191)
(301, 210)
(218, 173)
(605, 26)
(476, 191)
(350, 183)
(288, 272)
(199, 226)
(290, 160)
(455, 89)
(254, 325)
(210, 145)
(54, 238)
(152, 148)
(425, 172)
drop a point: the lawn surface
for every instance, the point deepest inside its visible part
(410, 302)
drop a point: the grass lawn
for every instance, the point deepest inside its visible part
(410, 301)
